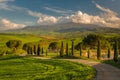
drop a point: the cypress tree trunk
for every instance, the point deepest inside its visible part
(116, 51)
(72, 51)
(66, 49)
(80, 49)
(109, 52)
(99, 50)
(88, 53)
(34, 49)
(61, 50)
(28, 50)
(38, 50)
(42, 51)
(31, 51)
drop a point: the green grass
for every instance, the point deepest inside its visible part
(24, 38)
(26, 68)
(111, 62)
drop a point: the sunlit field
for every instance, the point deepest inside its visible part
(26, 68)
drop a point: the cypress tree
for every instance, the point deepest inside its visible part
(42, 51)
(28, 50)
(34, 49)
(31, 50)
(72, 49)
(99, 50)
(80, 49)
(66, 49)
(109, 52)
(116, 51)
(88, 53)
(61, 50)
(38, 50)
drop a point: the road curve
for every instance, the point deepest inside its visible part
(104, 71)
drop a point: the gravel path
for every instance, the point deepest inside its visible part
(104, 71)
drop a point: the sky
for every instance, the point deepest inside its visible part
(21, 13)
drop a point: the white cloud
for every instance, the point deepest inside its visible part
(108, 18)
(43, 19)
(5, 6)
(59, 11)
(1, 1)
(6, 24)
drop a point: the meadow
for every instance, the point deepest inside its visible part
(27, 68)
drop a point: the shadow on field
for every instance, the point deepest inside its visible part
(66, 57)
(10, 57)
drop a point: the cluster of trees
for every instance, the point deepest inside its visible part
(34, 49)
(91, 41)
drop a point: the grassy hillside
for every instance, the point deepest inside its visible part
(23, 68)
(24, 38)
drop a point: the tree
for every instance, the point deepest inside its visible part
(14, 44)
(80, 48)
(67, 49)
(62, 50)
(38, 50)
(28, 50)
(99, 50)
(91, 41)
(31, 51)
(88, 53)
(42, 51)
(109, 52)
(72, 48)
(35, 50)
(116, 51)
(53, 46)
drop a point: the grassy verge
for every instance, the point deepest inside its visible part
(111, 62)
(26, 68)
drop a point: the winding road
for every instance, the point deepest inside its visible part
(104, 71)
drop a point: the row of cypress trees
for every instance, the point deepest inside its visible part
(115, 58)
(36, 50)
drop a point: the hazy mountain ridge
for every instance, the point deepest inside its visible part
(65, 28)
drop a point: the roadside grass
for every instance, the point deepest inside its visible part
(111, 62)
(26, 68)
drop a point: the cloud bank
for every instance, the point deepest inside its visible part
(107, 18)
(6, 24)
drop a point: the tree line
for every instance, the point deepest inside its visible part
(91, 41)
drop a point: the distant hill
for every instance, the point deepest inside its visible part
(65, 29)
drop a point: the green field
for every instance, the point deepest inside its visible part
(24, 38)
(26, 68)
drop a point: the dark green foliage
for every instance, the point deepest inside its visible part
(31, 51)
(109, 52)
(91, 41)
(88, 53)
(99, 50)
(62, 50)
(72, 48)
(28, 50)
(13, 44)
(38, 50)
(67, 49)
(116, 51)
(35, 52)
(80, 48)
(53, 45)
